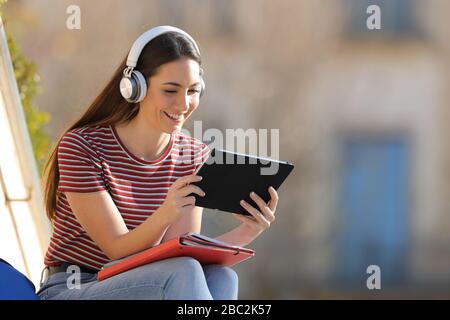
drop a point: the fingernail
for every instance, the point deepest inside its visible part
(203, 194)
(200, 177)
(242, 202)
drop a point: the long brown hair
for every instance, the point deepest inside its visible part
(110, 108)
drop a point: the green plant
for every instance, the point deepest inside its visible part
(27, 82)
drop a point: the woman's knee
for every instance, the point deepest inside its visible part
(222, 282)
(225, 273)
(185, 267)
(187, 262)
(187, 280)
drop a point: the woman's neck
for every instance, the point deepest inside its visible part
(143, 140)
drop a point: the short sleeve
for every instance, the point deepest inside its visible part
(79, 167)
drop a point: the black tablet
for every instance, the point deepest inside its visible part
(229, 177)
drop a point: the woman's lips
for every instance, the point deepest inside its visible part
(171, 117)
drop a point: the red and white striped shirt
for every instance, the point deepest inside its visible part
(92, 159)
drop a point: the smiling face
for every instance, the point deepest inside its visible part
(173, 94)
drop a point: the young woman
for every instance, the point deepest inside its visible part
(118, 182)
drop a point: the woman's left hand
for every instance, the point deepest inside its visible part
(261, 219)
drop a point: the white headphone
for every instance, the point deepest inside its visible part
(133, 85)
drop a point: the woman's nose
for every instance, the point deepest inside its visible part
(183, 103)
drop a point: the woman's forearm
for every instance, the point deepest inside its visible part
(239, 236)
(152, 230)
(146, 235)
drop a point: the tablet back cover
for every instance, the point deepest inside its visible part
(233, 176)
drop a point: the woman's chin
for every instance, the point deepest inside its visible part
(172, 128)
(171, 125)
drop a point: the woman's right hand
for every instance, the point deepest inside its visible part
(178, 201)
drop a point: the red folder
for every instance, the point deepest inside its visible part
(206, 250)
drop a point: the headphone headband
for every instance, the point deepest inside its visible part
(148, 36)
(133, 85)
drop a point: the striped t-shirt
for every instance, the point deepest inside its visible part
(93, 158)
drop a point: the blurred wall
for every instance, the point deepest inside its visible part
(362, 114)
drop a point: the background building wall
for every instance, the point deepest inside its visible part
(306, 67)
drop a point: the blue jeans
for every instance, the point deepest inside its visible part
(172, 279)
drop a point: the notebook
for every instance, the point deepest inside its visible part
(202, 248)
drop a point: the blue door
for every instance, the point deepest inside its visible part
(373, 211)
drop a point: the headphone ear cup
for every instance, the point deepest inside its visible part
(141, 86)
(128, 88)
(134, 89)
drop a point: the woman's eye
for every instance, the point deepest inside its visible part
(174, 91)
